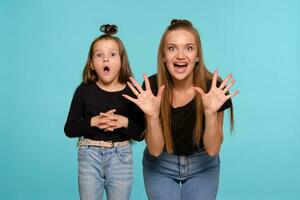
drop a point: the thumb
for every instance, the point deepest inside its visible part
(199, 90)
(111, 111)
(106, 114)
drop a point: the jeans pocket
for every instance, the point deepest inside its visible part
(82, 152)
(125, 155)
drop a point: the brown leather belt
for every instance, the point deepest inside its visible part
(101, 143)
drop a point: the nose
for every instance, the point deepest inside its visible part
(180, 54)
(105, 58)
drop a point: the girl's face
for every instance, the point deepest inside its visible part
(106, 61)
(180, 54)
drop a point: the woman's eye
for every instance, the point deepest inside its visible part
(113, 54)
(190, 48)
(171, 48)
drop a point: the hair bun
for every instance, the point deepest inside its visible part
(180, 22)
(174, 21)
(109, 29)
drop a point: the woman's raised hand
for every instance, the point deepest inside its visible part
(145, 100)
(216, 97)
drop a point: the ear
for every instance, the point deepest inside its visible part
(197, 59)
(164, 59)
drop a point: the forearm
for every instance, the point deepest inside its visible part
(134, 130)
(154, 136)
(212, 137)
(77, 128)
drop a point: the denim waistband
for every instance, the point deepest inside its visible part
(183, 165)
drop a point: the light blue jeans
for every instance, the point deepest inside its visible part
(102, 168)
(181, 177)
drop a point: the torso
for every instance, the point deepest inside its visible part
(183, 117)
(98, 100)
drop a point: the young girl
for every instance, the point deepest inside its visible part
(184, 119)
(105, 121)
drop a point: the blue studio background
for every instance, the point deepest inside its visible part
(43, 48)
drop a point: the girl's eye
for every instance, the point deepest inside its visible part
(113, 54)
(98, 55)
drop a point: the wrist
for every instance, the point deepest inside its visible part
(210, 113)
(126, 122)
(93, 121)
(152, 117)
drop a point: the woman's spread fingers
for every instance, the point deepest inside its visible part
(133, 89)
(223, 84)
(136, 84)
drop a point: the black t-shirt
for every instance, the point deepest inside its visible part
(183, 121)
(89, 100)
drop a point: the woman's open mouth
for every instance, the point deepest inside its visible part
(180, 67)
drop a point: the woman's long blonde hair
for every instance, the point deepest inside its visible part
(200, 76)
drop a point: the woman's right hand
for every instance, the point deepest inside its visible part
(145, 100)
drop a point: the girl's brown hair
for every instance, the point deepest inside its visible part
(89, 75)
(200, 76)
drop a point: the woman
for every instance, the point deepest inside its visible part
(183, 106)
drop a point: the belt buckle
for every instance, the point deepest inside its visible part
(111, 144)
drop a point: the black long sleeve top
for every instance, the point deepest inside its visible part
(89, 100)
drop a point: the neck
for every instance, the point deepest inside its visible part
(183, 85)
(113, 86)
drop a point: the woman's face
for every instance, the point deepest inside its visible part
(180, 54)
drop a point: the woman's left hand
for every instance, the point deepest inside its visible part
(216, 97)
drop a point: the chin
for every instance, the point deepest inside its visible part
(106, 80)
(182, 77)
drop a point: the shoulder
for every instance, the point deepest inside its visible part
(153, 83)
(209, 82)
(153, 79)
(83, 88)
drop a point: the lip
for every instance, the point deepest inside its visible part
(180, 64)
(106, 70)
(180, 67)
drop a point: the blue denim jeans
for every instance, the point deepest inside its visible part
(108, 169)
(181, 177)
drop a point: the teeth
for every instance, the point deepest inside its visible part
(180, 64)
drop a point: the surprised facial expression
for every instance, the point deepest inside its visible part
(106, 61)
(180, 54)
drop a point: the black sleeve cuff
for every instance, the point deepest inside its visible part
(134, 131)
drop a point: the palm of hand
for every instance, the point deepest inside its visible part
(145, 100)
(213, 100)
(216, 97)
(148, 102)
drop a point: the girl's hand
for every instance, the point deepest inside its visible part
(101, 120)
(145, 100)
(216, 97)
(116, 121)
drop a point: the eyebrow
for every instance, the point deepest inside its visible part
(184, 44)
(109, 49)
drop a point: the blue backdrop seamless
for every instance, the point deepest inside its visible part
(44, 46)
